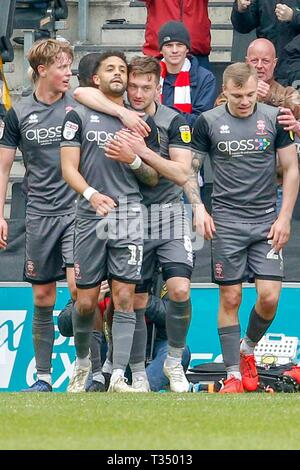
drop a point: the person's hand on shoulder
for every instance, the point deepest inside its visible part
(283, 12)
(243, 5)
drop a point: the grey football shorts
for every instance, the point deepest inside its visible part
(48, 247)
(107, 251)
(168, 242)
(241, 251)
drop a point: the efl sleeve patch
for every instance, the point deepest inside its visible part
(185, 134)
(70, 129)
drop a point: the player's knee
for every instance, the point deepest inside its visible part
(268, 301)
(180, 293)
(140, 301)
(44, 295)
(124, 300)
(231, 299)
(85, 306)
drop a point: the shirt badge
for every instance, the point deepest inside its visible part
(185, 133)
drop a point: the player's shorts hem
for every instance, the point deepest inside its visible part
(268, 277)
(88, 286)
(170, 270)
(232, 282)
(125, 280)
(144, 287)
(44, 281)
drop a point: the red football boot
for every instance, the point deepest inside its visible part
(294, 373)
(249, 372)
(232, 385)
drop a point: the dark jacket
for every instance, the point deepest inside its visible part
(260, 15)
(289, 70)
(203, 91)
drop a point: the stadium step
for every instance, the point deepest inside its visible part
(134, 13)
(218, 11)
(133, 34)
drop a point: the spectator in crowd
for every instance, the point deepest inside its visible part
(247, 235)
(278, 22)
(34, 125)
(193, 13)
(261, 55)
(185, 85)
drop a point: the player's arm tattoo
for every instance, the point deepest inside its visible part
(191, 187)
(147, 175)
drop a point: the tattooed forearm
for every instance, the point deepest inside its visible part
(197, 160)
(147, 175)
(191, 187)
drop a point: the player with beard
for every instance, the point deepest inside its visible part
(108, 206)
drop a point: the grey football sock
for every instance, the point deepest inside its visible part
(257, 326)
(96, 341)
(138, 350)
(43, 338)
(82, 327)
(122, 333)
(178, 317)
(230, 345)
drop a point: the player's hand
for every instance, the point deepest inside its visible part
(103, 290)
(209, 225)
(102, 204)
(3, 233)
(263, 89)
(280, 232)
(287, 119)
(198, 219)
(283, 12)
(135, 122)
(243, 5)
(119, 149)
(134, 140)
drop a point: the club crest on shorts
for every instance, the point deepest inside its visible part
(219, 273)
(70, 129)
(185, 134)
(30, 269)
(2, 125)
(77, 271)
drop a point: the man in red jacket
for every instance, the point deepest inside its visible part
(193, 13)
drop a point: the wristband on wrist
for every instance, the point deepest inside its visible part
(135, 165)
(88, 192)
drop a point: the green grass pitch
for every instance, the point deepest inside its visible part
(149, 421)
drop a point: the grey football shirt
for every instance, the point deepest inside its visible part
(243, 157)
(90, 130)
(173, 132)
(35, 128)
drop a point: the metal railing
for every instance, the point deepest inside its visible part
(83, 13)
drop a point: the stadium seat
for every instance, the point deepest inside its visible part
(6, 29)
(37, 14)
